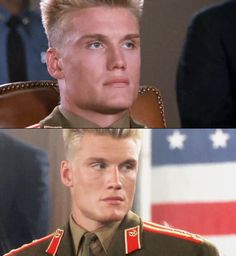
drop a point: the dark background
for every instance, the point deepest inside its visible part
(164, 27)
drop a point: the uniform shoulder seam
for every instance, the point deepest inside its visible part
(34, 126)
(178, 233)
(26, 246)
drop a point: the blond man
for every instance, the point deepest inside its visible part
(100, 171)
(94, 53)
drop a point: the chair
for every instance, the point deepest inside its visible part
(25, 103)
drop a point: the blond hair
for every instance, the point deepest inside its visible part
(72, 136)
(54, 11)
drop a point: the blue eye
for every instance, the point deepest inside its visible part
(129, 45)
(95, 45)
(128, 167)
(99, 166)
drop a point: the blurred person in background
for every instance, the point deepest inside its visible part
(24, 193)
(206, 77)
(23, 43)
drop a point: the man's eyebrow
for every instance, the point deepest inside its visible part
(132, 36)
(131, 161)
(104, 37)
(96, 159)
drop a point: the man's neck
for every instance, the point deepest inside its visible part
(88, 225)
(100, 119)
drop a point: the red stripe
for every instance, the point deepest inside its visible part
(200, 218)
(165, 232)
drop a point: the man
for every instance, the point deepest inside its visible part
(100, 170)
(23, 43)
(24, 193)
(95, 56)
(206, 79)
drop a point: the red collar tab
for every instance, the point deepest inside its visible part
(132, 239)
(55, 242)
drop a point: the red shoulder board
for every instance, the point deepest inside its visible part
(34, 126)
(132, 239)
(55, 242)
(25, 246)
(159, 229)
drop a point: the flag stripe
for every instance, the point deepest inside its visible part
(198, 183)
(225, 244)
(197, 148)
(200, 218)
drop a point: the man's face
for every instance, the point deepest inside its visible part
(102, 177)
(100, 60)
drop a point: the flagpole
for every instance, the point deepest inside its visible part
(144, 182)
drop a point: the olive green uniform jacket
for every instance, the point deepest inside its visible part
(57, 120)
(133, 237)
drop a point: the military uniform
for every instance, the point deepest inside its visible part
(133, 237)
(60, 118)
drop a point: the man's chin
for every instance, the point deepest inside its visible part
(114, 217)
(113, 109)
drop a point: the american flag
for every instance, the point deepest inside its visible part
(193, 183)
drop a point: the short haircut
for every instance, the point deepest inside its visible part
(72, 136)
(54, 11)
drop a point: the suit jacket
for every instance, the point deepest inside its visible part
(133, 237)
(206, 77)
(24, 193)
(35, 45)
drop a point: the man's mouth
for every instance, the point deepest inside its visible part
(113, 200)
(118, 82)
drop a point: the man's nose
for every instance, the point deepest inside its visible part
(114, 180)
(116, 59)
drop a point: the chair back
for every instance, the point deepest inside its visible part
(25, 103)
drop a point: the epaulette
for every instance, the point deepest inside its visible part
(159, 229)
(34, 126)
(55, 242)
(25, 246)
(132, 239)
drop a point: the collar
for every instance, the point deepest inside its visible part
(105, 234)
(80, 122)
(125, 239)
(77, 233)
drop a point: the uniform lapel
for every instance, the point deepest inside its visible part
(120, 243)
(65, 247)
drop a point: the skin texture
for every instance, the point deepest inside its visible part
(101, 176)
(97, 63)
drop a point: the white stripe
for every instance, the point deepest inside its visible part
(144, 176)
(225, 244)
(194, 183)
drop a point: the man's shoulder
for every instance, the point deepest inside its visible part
(13, 145)
(153, 229)
(38, 245)
(217, 13)
(54, 120)
(57, 120)
(174, 241)
(48, 244)
(135, 124)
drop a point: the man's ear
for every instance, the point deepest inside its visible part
(66, 173)
(54, 63)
